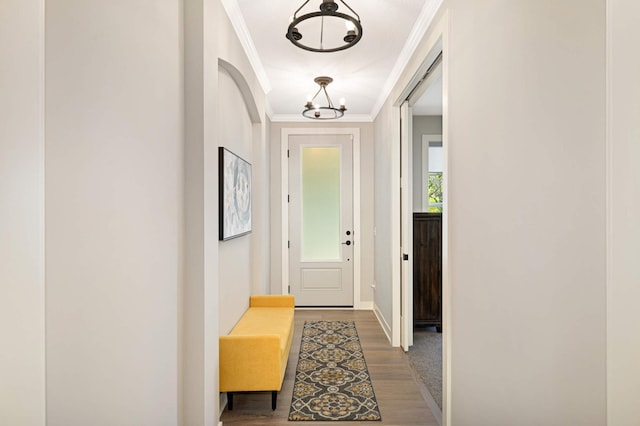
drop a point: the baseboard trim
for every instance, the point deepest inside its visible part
(364, 306)
(383, 323)
(324, 308)
(223, 404)
(426, 395)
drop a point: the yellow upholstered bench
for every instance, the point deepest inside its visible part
(254, 355)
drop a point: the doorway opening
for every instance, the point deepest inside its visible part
(322, 269)
(423, 229)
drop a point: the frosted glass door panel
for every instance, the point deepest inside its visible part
(321, 203)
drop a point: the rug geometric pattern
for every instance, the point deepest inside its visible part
(332, 381)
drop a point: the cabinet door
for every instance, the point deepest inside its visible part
(427, 269)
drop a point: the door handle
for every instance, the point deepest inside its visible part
(347, 242)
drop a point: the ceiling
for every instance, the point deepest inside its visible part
(430, 102)
(363, 74)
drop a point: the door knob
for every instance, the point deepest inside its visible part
(347, 242)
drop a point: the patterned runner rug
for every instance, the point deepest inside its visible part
(332, 381)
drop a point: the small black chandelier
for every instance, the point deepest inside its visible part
(317, 112)
(329, 17)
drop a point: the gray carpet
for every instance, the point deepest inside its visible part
(426, 357)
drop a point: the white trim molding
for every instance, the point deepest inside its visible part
(418, 31)
(242, 31)
(384, 324)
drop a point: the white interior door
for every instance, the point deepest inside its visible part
(406, 226)
(321, 235)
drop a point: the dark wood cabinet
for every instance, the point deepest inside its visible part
(427, 270)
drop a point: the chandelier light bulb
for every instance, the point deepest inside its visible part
(350, 26)
(342, 102)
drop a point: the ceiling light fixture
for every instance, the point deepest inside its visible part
(328, 15)
(317, 112)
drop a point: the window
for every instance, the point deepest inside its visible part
(434, 191)
(432, 161)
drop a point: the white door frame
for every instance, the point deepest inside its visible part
(406, 189)
(403, 300)
(438, 39)
(284, 192)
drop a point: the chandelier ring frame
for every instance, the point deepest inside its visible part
(311, 15)
(337, 113)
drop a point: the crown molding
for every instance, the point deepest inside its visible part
(418, 31)
(268, 108)
(242, 31)
(298, 118)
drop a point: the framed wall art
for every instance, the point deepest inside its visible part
(234, 195)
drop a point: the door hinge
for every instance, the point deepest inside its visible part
(288, 244)
(288, 198)
(289, 290)
(405, 256)
(287, 153)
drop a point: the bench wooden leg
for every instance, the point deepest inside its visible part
(274, 398)
(230, 400)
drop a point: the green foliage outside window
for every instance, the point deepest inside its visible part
(435, 192)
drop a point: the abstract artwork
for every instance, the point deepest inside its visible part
(235, 195)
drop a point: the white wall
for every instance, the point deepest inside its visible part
(131, 252)
(242, 129)
(242, 262)
(623, 318)
(262, 160)
(527, 275)
(235, 264)
(114, 138)
(384, 251)
(22, 363)
(212, 53)
(366, 202)
(198, 389)
(422, 125)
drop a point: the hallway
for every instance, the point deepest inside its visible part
(115, 287)
(398, 395)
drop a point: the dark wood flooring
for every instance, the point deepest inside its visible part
(399, 397)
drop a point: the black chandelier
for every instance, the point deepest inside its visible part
(331, 40)
(317, 112)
